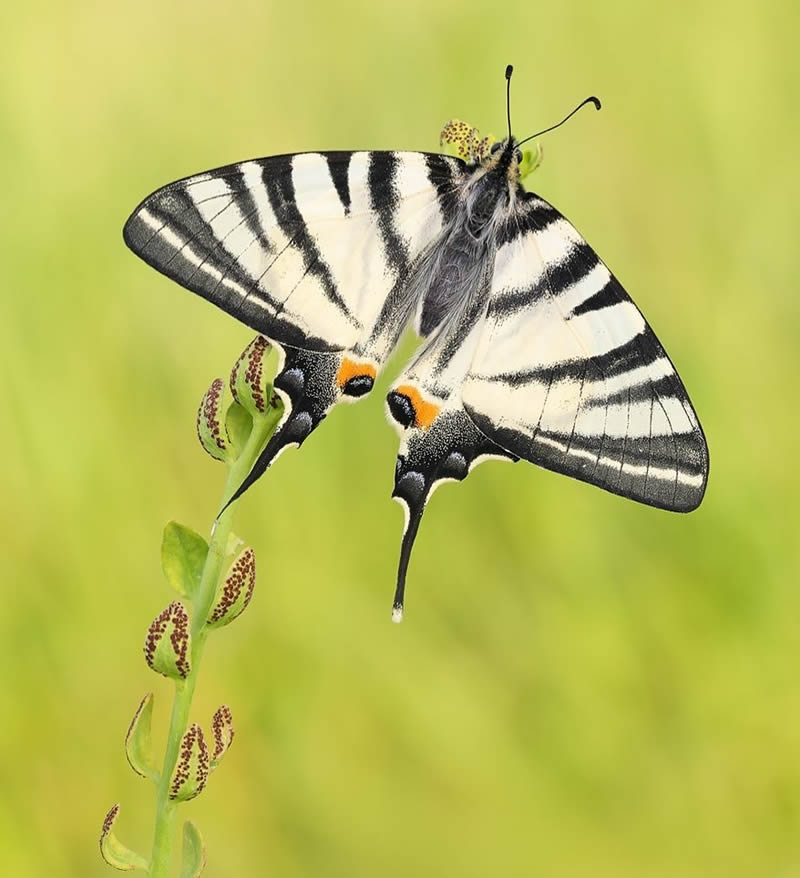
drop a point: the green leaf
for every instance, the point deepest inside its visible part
(183, 555)
(138, 743)
(194, 851)
(238, 424)
(114, 852)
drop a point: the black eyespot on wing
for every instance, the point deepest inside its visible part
(358, 385)
(401, 409)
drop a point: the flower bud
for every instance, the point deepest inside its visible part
(211, 421)
(464, 141)
(167, 645)
(113, 851)
(191, 771)
(222, 731)
(251, 377)
(234, 592)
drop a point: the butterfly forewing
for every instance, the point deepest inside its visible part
(304, 248)
(568, 375)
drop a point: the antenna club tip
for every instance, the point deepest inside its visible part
(509, 71)
(397, 614)
(596, 102)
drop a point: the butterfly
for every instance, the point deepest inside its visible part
(531, 349)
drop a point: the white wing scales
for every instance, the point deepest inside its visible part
(307, 248)
(568, 375)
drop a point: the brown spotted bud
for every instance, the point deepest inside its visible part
(168, 642)
(234, 592)
(191, 771)
(222, 732)
(113, 851)
(252, 374)
(211, 421)
(464, 141)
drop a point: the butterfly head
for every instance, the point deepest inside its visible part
(504, 156)
(507, 158)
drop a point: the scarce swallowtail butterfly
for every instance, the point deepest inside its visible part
(530, 347)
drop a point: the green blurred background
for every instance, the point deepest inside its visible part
(582, 685)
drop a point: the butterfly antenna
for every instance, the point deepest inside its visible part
(590, 100)
(509, 71)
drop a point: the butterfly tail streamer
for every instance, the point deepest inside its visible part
(411, 491)
(292, 434)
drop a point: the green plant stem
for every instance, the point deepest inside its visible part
(164, 833)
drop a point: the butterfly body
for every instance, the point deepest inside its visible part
(530, 348)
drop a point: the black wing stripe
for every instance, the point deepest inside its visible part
(339, 169)
(442, 175)
(280, 189)
(186, 244)
(248, 205)
(605, 297)
(383, 200)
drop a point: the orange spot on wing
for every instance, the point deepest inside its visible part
(424, 412)
(351, 369)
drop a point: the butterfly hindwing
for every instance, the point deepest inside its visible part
(304, 248)
(568, 375)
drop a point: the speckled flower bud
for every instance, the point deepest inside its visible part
(234, 592)
(167, 645)
(464, 141)
(222, 732)
(113, 851)
(251, 376)
(191, 771)
(211, 421)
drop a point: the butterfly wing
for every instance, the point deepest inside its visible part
(303, 248)
(568, 375)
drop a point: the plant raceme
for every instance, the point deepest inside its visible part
(214, 581)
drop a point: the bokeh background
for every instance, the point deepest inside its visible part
(582, 685)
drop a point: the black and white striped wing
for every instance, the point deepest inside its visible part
(303, 248)
(568, 375)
